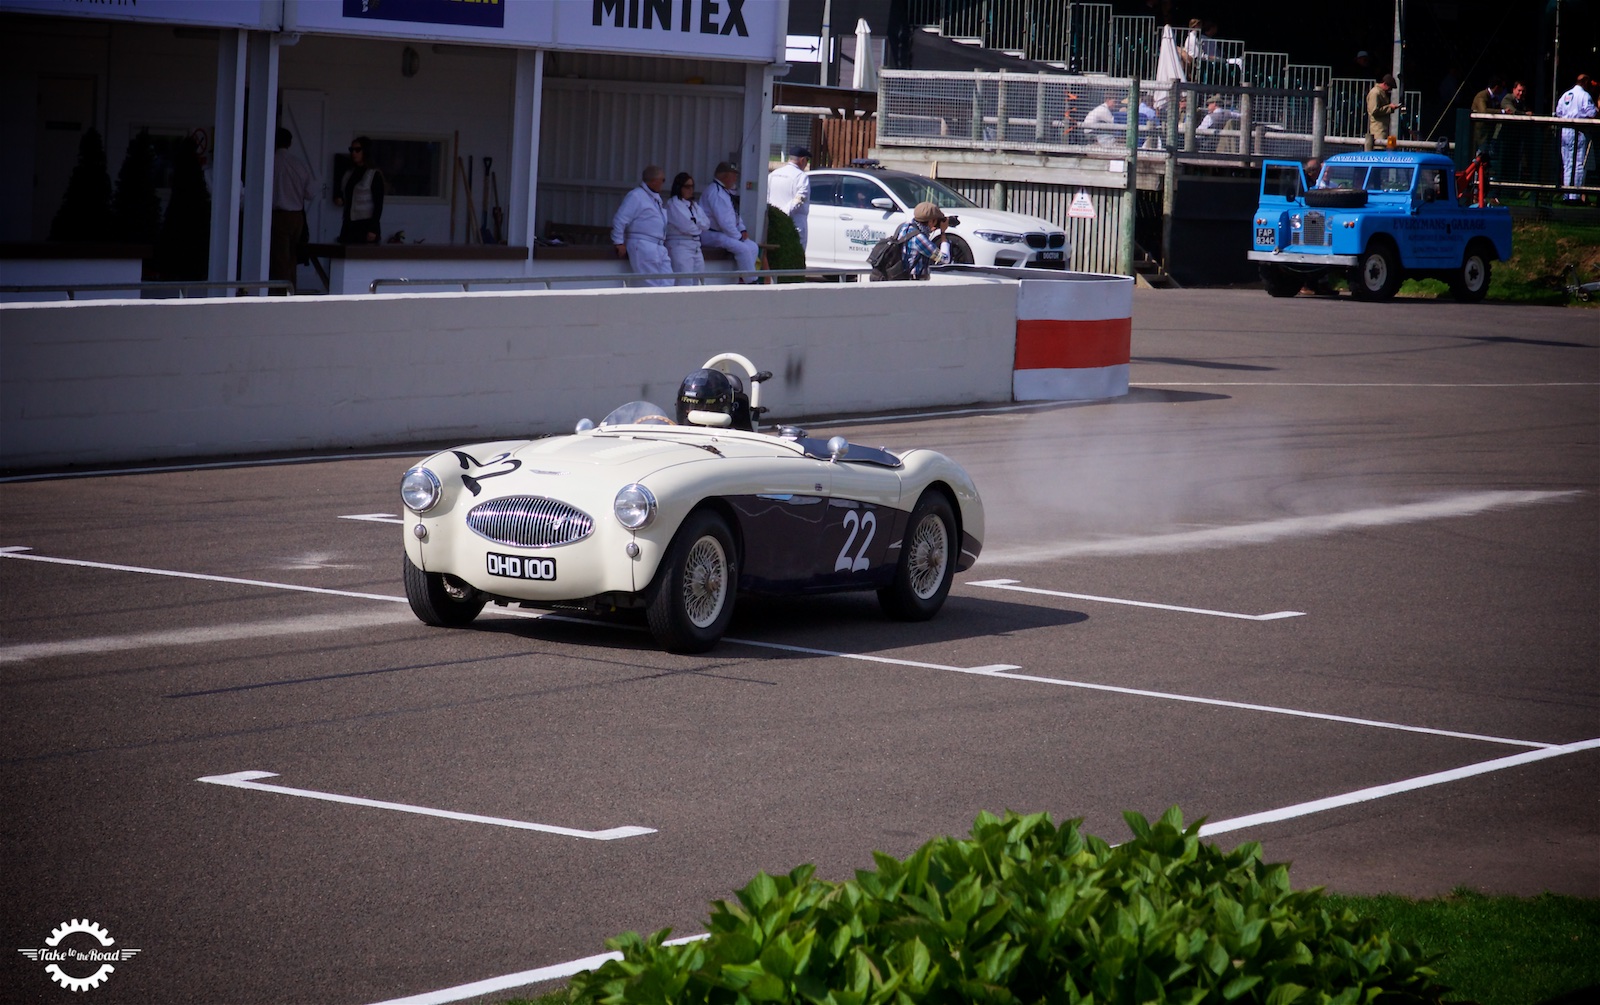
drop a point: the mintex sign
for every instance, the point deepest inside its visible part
(745, 30)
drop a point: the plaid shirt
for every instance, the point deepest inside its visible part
(919, 252)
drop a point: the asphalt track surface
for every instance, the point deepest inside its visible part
(1399, 499)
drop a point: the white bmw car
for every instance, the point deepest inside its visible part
(678, 511)
(852, 208)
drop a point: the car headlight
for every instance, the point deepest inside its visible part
(998, 236)
(634, 506)
(420, 490)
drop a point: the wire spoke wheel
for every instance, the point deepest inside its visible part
(705, 582)
(690, 602)
(930, 552)
(927, 563)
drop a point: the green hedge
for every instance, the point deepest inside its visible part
(1025, 911)
(788, 254)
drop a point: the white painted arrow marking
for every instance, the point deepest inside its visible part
(375, 517)
(1011, 584)
(247, 780)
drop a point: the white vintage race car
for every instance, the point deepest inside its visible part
(678, 513)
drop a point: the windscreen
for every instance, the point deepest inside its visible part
(1346, 176)
(1390, 179)
(914, 190)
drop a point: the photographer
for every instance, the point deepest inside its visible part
(928, 224)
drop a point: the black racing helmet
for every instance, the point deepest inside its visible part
(705, 391)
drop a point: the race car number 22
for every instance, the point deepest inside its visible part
(517, 567)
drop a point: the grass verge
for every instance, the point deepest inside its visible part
(1497, 950)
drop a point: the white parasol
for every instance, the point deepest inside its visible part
(1169, 67)
(866, 75)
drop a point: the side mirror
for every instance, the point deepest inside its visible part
(838, 446)
(887, 205)
(584, 425)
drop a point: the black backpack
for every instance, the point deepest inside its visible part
(888, 257)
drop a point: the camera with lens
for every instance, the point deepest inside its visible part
(952, 221)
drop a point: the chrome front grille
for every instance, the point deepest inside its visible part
(530, 522)
(1314, 230)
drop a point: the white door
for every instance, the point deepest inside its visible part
(302, 113)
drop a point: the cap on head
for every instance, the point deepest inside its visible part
(927, 212)
(724, 167)
(800, 153)
(1362, 54)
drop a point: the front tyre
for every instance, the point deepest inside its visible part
(1377, 275)
(927, 563)
(960, 253)
(1280, 282)
(439, 600)
(691, 600)
(1470, 284)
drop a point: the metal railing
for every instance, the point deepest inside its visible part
(1090, 38)
(626, 279)
(1525, 152)
(1053, 113)
(179, 287)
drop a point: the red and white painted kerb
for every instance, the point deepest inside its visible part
(1073, 337)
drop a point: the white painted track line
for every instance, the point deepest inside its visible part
(997, 671)
(1267, 531)
(559, 970)
(248, 780)
(1394, 788)
(526, 977)
(1013, 585)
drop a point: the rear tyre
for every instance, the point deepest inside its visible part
(439, 600)
(1470, 284)
(1279, 282)
(927, 563)
(691, 600)
(1377, 275)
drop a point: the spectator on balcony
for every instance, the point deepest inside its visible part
(1219, 117)
(1101, 122)
(1487, 102)
(639, 228)
(1381, 107)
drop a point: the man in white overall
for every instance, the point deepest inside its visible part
(639, 230)
(727, 231)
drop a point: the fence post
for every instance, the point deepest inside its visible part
(1319, 123)
(1169, 181)
(1130, 193)
(1246, 139)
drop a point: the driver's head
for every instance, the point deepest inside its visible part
(705, 391)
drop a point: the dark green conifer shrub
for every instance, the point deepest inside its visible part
(789, 254)
(184, 250)
(85, 212)
(135, 207)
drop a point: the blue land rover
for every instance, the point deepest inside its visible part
(1376, 218)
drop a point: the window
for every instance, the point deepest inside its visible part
(1389, 179)
(858, 193)
(413, 167)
